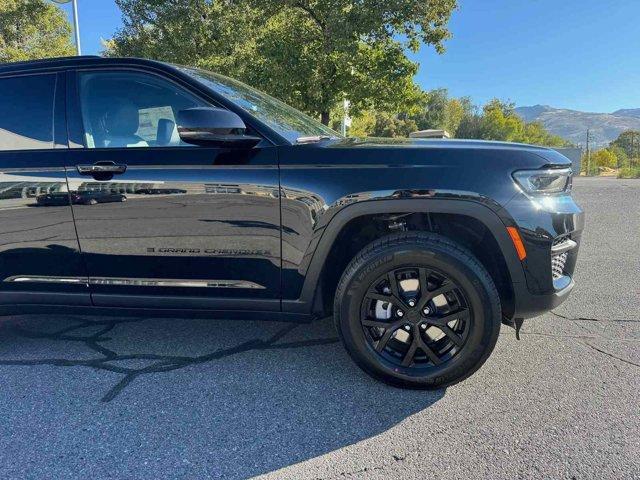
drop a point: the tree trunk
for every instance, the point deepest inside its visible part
(324, 118)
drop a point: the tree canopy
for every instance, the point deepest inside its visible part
(629, 142)
(380, 124)
(32, 29)
(309, 53)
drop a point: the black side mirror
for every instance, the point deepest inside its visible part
(215, 127)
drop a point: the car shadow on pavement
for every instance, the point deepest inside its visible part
(231, 399)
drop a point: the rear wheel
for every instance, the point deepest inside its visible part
(417, 310)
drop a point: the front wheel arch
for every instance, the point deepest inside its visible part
(319, 285)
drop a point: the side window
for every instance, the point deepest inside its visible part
(26, 112)
(130, 109)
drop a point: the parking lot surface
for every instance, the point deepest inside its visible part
(143, 398)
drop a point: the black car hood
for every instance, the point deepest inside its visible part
(552, 158)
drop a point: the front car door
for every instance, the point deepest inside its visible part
(39, 255)
(179, 226)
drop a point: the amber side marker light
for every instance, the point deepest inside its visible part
(517, 242)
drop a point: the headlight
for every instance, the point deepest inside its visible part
(544, 182)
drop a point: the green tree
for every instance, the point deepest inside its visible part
(433, 113)
(454, 112)
(622, 159)
(363, 124)
(438, 111)
(499, 121)
(309, 53)
(391, 126)
(496, 121)
(32, 29)
(188, 32)
(470, 125)
(604, 158)
(370, 123)
(629, 141)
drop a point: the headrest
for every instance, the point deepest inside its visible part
(121, 119)
(165, 132)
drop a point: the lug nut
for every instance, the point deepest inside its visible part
(400, 313)
(412, 303)
(426, 310)
(407, 328)
(423, 326)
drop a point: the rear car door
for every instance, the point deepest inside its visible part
(39, 255)
(180, 226)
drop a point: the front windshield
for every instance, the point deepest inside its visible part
(287, 121)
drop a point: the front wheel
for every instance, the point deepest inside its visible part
(417, 310)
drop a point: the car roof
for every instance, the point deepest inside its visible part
(75, 62)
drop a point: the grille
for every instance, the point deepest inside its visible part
(558, 261)
(557, 265)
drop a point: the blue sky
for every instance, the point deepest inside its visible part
(579, 54)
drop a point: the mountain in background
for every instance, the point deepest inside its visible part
(627, 112)
(572, 125)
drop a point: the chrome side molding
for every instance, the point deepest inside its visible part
(137, 282)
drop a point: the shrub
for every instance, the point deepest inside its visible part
(629, 172)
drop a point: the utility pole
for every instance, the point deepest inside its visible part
(346, 119)
(588, 151)
(76, 22)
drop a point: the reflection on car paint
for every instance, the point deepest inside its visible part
(195, 222)
(35, 241)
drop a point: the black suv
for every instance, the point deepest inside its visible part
(238, 205)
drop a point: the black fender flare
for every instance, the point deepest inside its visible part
(481, 212)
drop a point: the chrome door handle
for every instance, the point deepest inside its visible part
(101, 167)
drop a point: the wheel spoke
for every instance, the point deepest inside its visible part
(385, 339)
(422, 278)
(393, 283)
(428, 351)
(373, 295)
(408, 357)
(455, 338)
(395, 290)
(375, 323)
(441, 322)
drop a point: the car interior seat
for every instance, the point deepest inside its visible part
(167, 133)
(121, 122)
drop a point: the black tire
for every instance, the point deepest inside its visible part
(471, 286)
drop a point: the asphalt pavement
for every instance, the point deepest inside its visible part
(143, 398)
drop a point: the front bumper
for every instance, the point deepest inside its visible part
(551, 231)
(529, 305)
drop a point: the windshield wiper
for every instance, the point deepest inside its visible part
(313, 139)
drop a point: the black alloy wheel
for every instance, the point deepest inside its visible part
(415, 317)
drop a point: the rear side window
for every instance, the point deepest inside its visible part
(26, 112)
